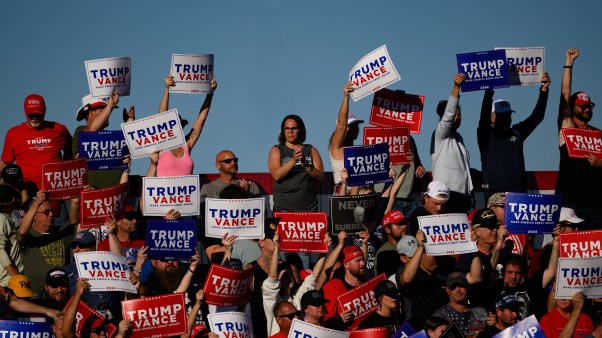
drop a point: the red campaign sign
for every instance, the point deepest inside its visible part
(228, 287)
(302, 231)
(360, 300)
(398, 139)
(159, 316)
(580, 244)
(397, 109)
(87, 318)
(582, 142)
(97, 205)
(377, 332)
(65, 179)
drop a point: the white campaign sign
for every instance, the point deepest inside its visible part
(446, 234)
(373, 72)
(104, 75)
(156, 132)
(579, 274)
(192, 72)
(242, 217)
(525, 65)
(105, 271)
(172, 192)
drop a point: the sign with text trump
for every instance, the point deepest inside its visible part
(231, 324)
(446, 234)
(65, 179)
(579, 274)
(360, 300)
(525, 65)
(373, 72)
(103, 150)
(395, 108)
(157, 132)
(13, 328)
(192, 72)
(104, 75)
(581, 244)
(158, 316)
(302, 231)
(484, 70)
(86, 316)
(105, 271)
(367, 164)
(398, 139)
(228, 287)
(301, 329)
(97, 205)
(172, 192)
(582, 142)
(528, 327)
(171, 239)
(531, 213)
(241, 217)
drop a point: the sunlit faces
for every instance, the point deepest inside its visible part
(35, 120)
(507, 317)
(498, 210)
(513, 275)
(434, 206)
(43, 217)
(291, 131)
(583, 113)
(486, 235)
(227, 162)
(356, 266)
(457, 293)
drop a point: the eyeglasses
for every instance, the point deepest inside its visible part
(45, 212)
(56, 285)
(455, 286)
(291, 130)
(229, 160)
(35, 116)
(290, 316)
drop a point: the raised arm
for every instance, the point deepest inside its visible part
(411, 268)
(550, 272)
(447, 120)
(164, 104)
(338, 138)
(27, 221)
(125, 175)
(185, 283)
(71, 310)
(484, 128)
(101, 119)
(526, 127)
(114, 243)
(197, 126)
(331, 259)
(564, 110)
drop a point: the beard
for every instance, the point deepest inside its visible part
(170, 279)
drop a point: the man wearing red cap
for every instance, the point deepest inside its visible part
(395, 226)
(575, 174)
(35, 142)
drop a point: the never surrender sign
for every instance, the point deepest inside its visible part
(483, 70)
(231, 324)
(302, 231)
(447, 234)
(171, 239)
(65, 179)
(173, 192)
(228, 287)
(105, 271)
(397, 109)
(367, 164)
(525, 65)
(104, 75)
(241, 217)
(580, 244)
(582, 142)
(373, 72)
(579, 274)
(398, 139)
(353, 213)
(192, 72)
(97, 205)
(159, 316)
(360, 300)
(104, 149)
(156, 132)
(532, 214)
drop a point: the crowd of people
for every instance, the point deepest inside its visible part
(505, 281)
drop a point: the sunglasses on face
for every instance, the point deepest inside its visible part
(290, 316)
(229, 160)
(45, 212)
(81, 246)
(56, 285)
(35, 116)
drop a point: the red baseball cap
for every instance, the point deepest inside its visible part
(583, 99)
(352, 252)
(393, 217)
(34, 104)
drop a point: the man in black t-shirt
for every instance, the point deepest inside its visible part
(506, 309)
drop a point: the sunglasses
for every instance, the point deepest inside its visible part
(229, 160)
(35, 116)
(45, 212)
(290, 316)
(81, 246)
(56, 285)
(455, 286)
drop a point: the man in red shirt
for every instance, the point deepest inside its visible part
(35, 142)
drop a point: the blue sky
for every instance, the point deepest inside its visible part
(273, 58)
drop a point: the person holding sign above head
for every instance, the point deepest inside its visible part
(449, 154)
(501, 143)
(434, 201)
(507, 307)
(567, 319)
(387, 313)
(574, 174)
(346, 131)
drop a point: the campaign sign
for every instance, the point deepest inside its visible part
(104, 75)
(105, 271)
(156, 132)
(231, 324)
(97, 205)
(373, 72)
(228, 287)
(579, 274)
(171, 192)
(360, 300)
(446, 234)
(302, 231)
(104, 150)
(171, 239)
(65, 179)
(376, 332)
(582, 142)
(301, 329)
(580, 244)
(484, 70)
(353, 213)
(419, 334)
(528, 327)
(395, 108)
(192, 72)
(532, 214)
(241, 217)
(398, 139)
(158, 316)
(525, 65)
(86, 316)
(367, 164)
(12, 328)
(405, 331)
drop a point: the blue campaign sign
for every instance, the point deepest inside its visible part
(173, 240)
(104, 150)
(532, 214)
(367, 164)
(12, 328)
(484, 70)
(528, 327)
(405, 331)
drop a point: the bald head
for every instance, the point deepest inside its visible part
(226, 162)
